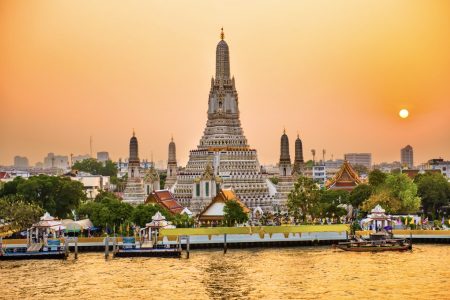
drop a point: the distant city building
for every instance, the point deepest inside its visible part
(439, 164)
(388, 167)
(407, 158)
(20, 162)
(102, 156)
(53, 161)
(363, 159)
(93, 184)
(80, 158)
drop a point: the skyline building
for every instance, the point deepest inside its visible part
(223, 158)
(21, 162)
(407, 156)
(56, 161)
(103, 156)
(363, 159)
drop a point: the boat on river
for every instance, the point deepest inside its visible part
(378, 242)
(381, 239)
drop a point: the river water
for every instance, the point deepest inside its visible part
(258, 273)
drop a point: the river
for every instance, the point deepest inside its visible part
(258, 273)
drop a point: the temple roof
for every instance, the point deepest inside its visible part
(222, 197)
(345, 179)
(166, 200)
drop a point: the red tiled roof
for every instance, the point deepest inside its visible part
(166, 200)
(345, 179)
(4, 175)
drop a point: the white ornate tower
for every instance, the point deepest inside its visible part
(224, 147)
(285, 180)
(285, 158)
(134, 190)
(151, 179)
(172, 168)
(298, 160)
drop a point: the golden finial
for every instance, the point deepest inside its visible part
(133, 132)
(222, 35)
(284, 130)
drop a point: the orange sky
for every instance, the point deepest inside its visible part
(336, 71)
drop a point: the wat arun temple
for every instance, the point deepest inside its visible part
(223, 158)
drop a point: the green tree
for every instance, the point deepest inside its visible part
(234, 213)
(143, 213)
(95, 167)
(384, 198)
(398, 194)
(57, 195)
(434, 190)
(108, 211)
(377, 178)
(330, 201)
(16, 211)
(183, 221)
(359, 194)
(304, 199)
(10, 188)
(360, 169)
(404, 189)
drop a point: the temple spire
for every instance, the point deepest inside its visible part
(222, 59)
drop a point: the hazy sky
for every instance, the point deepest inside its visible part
(337, 72)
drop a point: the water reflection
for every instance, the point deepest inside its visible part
(295, 273)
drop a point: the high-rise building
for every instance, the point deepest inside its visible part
(81, 157)
(363, 159)
(53, 161)
(20, 162)
(406, 157)
(102, 156)
(223, 158)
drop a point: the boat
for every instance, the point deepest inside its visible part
(378, 242)
(381, 239)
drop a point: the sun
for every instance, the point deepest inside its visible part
(404, 113)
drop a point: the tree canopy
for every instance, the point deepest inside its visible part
(234, 213)
(56, 195)
(397, 194)
(377, 178)
(95, 167)
(359, 194)
(304, 199)
(434, 189)
(16, 211)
